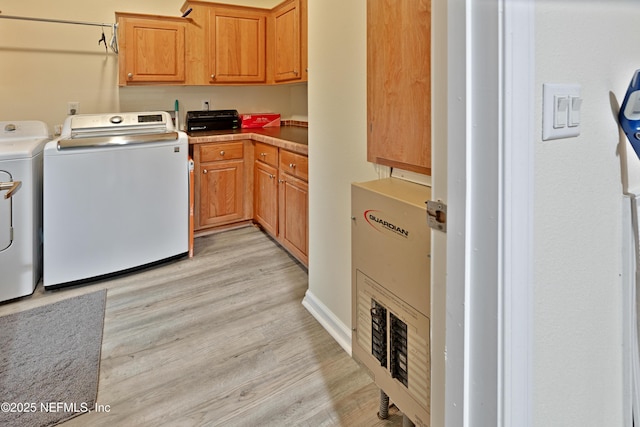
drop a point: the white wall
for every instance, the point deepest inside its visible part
(45, 65)
(337, 145)
(289, 100)
(578, 183)
(577, 320)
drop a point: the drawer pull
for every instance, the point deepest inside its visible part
(292, 165)
(222, 152)
(205, 171)
(263, 154)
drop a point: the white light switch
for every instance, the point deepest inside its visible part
(561, 111)
(574, 110)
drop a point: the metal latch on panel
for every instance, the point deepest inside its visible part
(437, 215)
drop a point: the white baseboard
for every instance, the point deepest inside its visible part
(329, 321)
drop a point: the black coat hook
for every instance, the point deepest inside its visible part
(103, 39)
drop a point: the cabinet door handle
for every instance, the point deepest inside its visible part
(280, 181)
(292, 165)
(222, 152)
(205, 171)
(271, 176)
(130, 75)
(213, 76)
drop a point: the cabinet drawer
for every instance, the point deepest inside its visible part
(267, 153)
(220, 151)
(294, 164)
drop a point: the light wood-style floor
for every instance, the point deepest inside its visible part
(221, 339)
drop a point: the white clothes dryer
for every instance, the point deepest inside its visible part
(21, 146)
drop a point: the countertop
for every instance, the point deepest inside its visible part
(294, 138)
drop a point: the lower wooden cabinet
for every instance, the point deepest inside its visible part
(265, 200)
(277, 198)
(293, 232)
(219, 184)
(221, 193)
(281, 198)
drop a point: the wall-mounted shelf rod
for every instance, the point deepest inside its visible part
(56, 21)
(113, 44)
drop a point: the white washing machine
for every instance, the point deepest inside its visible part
(116, 196)
(21, 147)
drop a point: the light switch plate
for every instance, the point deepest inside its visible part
(551, 92)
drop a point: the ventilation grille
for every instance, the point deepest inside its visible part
(396, 338)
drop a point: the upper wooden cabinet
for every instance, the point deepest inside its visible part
(152, 49)
(237, 45)
(216, 44)
(288, 45)
(399, 84)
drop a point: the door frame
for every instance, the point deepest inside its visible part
(487, 307)
(517, 269)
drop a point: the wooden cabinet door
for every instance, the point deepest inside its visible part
(152, 50)
(399, 84)
(221, 192)
(287, 41)
(265, 202)
(237, 50)
(294, 216)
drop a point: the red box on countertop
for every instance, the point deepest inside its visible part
(260, 120)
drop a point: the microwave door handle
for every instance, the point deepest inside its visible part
(11, 187)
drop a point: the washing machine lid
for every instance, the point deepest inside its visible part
(22, 139)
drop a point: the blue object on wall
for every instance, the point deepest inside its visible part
(629, 115)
